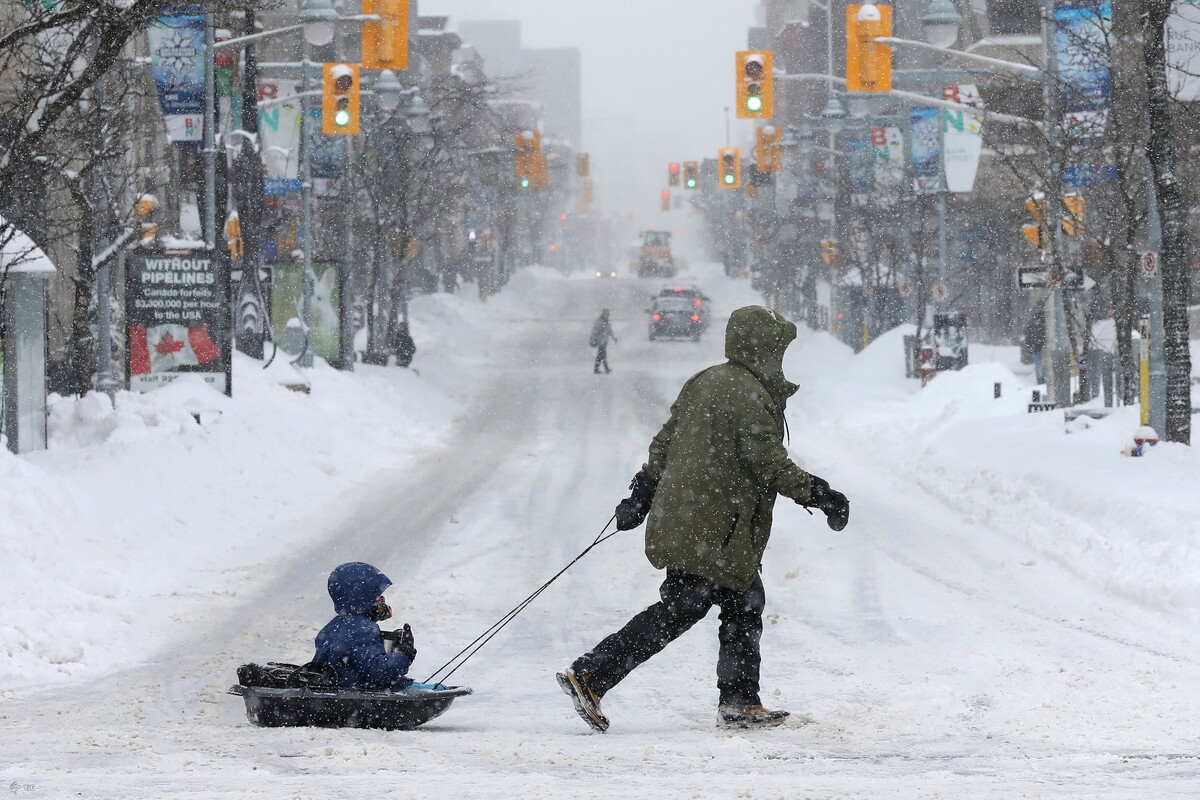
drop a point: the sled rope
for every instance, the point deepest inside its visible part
(474, 647)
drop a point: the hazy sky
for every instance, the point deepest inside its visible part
(657, 77)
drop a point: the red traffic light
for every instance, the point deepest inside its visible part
(674, 168)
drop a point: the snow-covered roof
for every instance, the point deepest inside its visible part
(18, 253)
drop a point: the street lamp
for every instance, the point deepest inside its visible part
(388, 91)
(941, 22)
(319, 18)
(418, 114)
(833, 115)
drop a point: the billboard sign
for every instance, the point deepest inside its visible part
(178, 317)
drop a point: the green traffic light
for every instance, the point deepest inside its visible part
(754, 103)
(729, 179)
(341, 118)
(524, 183)
(691, 183)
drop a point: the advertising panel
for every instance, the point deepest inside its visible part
(178, 317)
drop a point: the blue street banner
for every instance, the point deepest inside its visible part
(1082, 33)
(862, 172)
(177, 59)
(326, 154)
(1082, 176)
(926, 149)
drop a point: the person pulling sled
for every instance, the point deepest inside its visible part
(708, 490)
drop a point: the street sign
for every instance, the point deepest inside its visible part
(940, 292)
(1149, 262)
(1031, 277)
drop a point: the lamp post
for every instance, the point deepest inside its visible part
(941, 22)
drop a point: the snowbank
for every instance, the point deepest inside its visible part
(1130, 525)
(160, 496)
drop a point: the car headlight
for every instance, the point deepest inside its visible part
(597, 274)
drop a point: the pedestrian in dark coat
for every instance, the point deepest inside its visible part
(601, 332)
(709, 489)
(352, 643)
(404, 345)
(1035, 340)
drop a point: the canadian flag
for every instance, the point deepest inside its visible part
(165, 348)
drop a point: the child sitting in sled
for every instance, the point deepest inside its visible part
(352, 643)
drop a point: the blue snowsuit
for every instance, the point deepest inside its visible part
(351, 642)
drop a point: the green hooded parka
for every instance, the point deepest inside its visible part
(720, 460)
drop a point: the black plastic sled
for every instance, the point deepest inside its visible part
(287, 695)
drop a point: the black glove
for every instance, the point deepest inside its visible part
(833, 503)
(632, 511)
(404, 642)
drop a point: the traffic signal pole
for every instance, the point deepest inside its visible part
(210, 124)
(308, 280)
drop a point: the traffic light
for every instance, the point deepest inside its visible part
(673, 174)
(582, 164)
(529, 166)
(385, 42)
(770, 154)
(691, 174)
(729, 167)
(1073, 208)
(666, 199)
(755, 84)
(1035, 232)
(829, 251)
(339, 101)
(589, 195)
(868, 64)
(233, 236)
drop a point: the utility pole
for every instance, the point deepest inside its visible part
(1154, 289)
(210, 124)
(346, 273)
(308, 279)
(1059, 378)
(252, 325)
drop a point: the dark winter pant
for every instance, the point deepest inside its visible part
(686, 599)
(602, 358)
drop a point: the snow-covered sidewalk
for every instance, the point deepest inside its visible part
(140, 519)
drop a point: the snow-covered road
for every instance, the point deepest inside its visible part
(935, 650)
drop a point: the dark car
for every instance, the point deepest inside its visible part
(699, 300)
(676, 315)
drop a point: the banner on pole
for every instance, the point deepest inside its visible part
(178, 317)
(862, 177)
(926, 149)
(962, 136)
(1082, 32)
(1183, 50)
(887, 153)
(279, 130)
(177, 60)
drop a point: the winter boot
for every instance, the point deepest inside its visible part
(587, 702)
(749, 715)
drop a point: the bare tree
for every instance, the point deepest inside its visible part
(1172, 210)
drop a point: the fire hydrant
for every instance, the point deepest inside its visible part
(927, 370)
(1143, 439)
